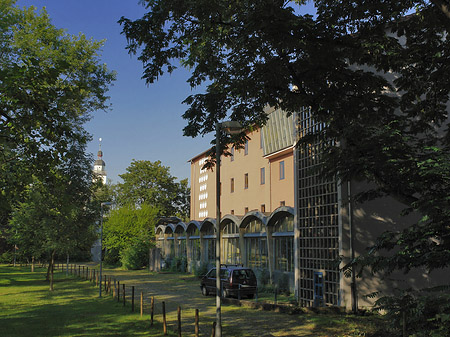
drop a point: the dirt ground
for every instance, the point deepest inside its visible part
(183, 290)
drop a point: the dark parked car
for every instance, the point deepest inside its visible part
(236, 281)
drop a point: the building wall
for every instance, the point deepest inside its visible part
(259, 196)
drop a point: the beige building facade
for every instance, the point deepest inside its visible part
(251, 178)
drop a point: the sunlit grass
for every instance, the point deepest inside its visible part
(28, 308)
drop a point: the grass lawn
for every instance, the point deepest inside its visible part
(28, 308)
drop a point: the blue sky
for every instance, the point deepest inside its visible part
(145, 122)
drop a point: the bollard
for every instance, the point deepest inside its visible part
(179, 321)
(104, 283)
(79, 271)
(132, 298)
(152, 306)
(213, 332)
(82, 274)
(276, 293)
(123, 290)
(142, 303)
(114, 289)
(196, 323)
(118, 291)
(164, 317)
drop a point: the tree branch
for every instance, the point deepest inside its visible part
(443, 6)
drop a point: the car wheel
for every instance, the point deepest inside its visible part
(224, 293)
(204, 291)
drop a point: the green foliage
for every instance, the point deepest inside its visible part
(136, 255)
(283, 284)
(124, 224)
(201, 270)
(50, 83)
(422, 314)
(178, 264)
(150, 183)
(7, 257)
(263, 276)
(112, 257)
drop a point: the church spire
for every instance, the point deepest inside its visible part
(99, 165)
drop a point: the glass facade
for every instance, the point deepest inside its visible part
(317, 221)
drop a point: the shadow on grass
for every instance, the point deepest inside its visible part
(72, 309)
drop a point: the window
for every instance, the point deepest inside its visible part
(246, 148)
(232, 185)
(232, 153)
(281, 170)
(263, 208)
(261, 139)
(245, 210)
(263, 175)
(232, 212)
(282, 203)
(246, 181)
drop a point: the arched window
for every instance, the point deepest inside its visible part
(194, 243)
(256, 244)
(283, 239)
(231, 253)
(209, 241)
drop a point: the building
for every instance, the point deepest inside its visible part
(258, 177)
(99, 173)
(299, 230)
(99, 166)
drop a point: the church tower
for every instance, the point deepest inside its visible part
(99, 165)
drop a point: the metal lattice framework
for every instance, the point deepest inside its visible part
(318, 223)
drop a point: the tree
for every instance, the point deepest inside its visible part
(151, 183)
(128, 226)
(50, 82)
(58, 214)
(374, 73)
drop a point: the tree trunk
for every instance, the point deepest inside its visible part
(47, 277)
(51, 264)
(32, 264)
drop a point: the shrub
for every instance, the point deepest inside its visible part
(200, 270)
(6, 257)
(178, 264)
(423, 313)
(283, 284)
(136, 255)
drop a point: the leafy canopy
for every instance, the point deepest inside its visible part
(151, 183)
(377, 77)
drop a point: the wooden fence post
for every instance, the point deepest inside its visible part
(142, 303)
(123, 290)
(179, 321)
(164, 317)
(213, 332)
(118, 291)
(152, 306)
(196, 323)
(114, 289)
(132, 298)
